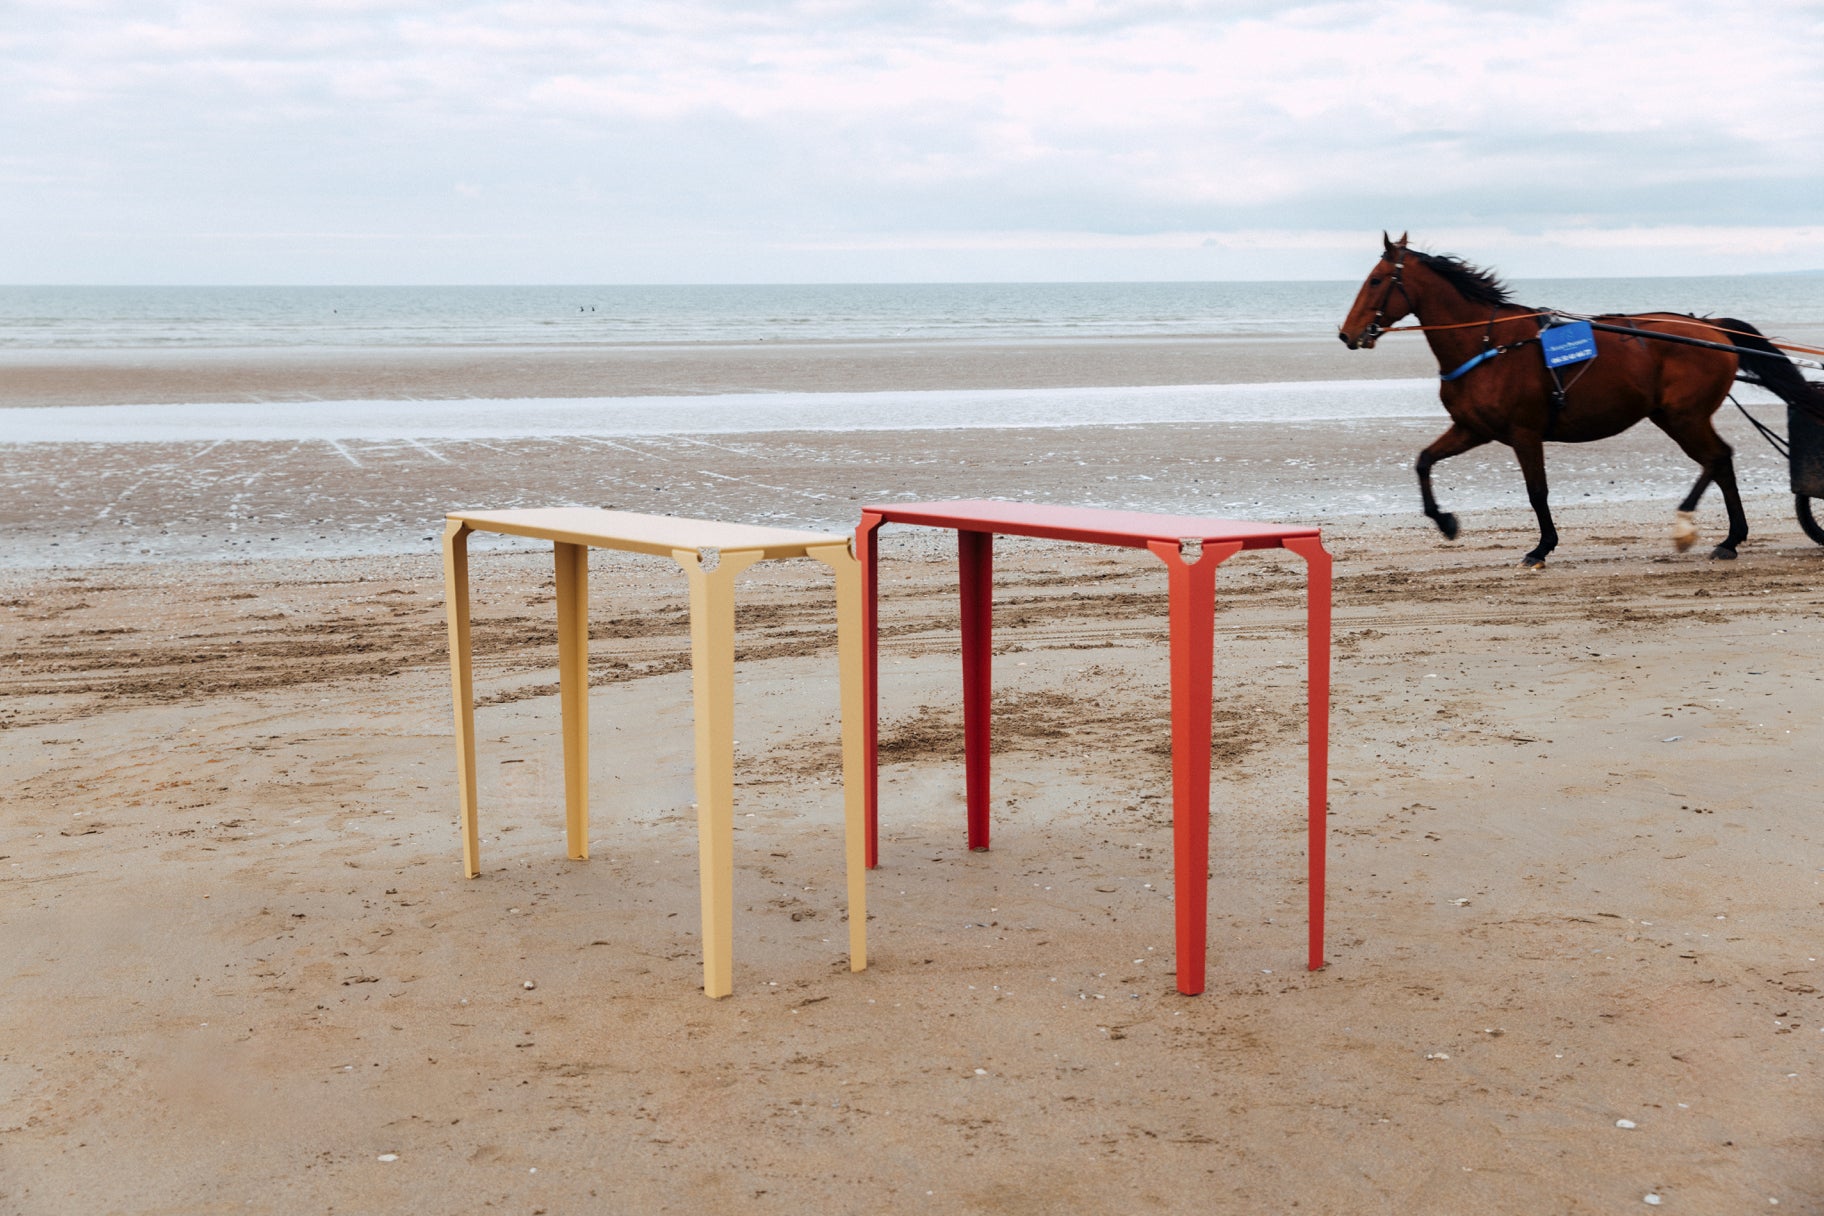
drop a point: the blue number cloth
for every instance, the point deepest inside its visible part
(1572, 342)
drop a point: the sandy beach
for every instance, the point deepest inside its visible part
(102, 376)
(284, 287)
(114, 377)
(1576, 861)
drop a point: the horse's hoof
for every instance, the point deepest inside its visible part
(1532, 561)
(1722, 553)
(1447, 524)
(1684, 531)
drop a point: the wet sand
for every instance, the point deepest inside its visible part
(1576, 863)
(79, 377)
(129, 377)
(74, 504)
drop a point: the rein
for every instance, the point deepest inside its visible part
(1413, 329)
(1684, 341)
(1552, 312)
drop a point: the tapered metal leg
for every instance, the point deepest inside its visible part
(573, 690)
(712, 658)
(1193, 628)
(462, 686)
(1317, 731)
(867, 556)
(851, 661)
(975, 560)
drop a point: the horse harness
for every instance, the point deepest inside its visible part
(1489, 349)
(1396, 279)
(1555, 405)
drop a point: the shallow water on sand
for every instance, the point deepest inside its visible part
(722, 413)
(83, 503)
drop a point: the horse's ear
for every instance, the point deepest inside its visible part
(1386, 241)
(1403, 240)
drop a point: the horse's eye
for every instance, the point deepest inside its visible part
(1374, 282)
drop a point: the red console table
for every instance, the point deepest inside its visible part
(1191, 549)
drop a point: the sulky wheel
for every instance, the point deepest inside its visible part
(1802, 504)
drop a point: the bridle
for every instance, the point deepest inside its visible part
(1396, 279)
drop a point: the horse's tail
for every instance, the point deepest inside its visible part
(1769, 367)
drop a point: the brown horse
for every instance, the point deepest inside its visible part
(1511, 397)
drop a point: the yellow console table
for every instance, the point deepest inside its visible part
(711, 553)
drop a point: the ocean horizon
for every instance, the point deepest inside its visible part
(73, 318)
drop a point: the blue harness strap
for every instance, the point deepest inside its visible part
(1474, 362)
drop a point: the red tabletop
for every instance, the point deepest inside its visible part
(1091, 525)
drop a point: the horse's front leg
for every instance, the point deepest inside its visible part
(1530, 449)
(1453, 442)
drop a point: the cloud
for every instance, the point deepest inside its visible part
(794, 125)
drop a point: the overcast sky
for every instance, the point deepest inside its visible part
(398, 141)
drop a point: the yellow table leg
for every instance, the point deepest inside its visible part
(712, 659)
(462, 682)
(573, 690)
(841, 560)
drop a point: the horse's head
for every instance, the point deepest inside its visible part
(1382, 301)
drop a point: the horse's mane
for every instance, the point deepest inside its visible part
(1476, 284)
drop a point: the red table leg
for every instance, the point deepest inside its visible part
(1317, 727)
(975, 560)
(868, 555)
(1193, 634)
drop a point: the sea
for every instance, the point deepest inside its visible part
(67, 321)
(163, 318)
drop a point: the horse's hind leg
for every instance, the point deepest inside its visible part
(1702, 444)
(1453, 442)
(1531, 454)
(1697, 492)
(1684, 528)
(1723, 470)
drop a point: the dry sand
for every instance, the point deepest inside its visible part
(1577, 864)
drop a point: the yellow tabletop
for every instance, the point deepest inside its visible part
(661, 535)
